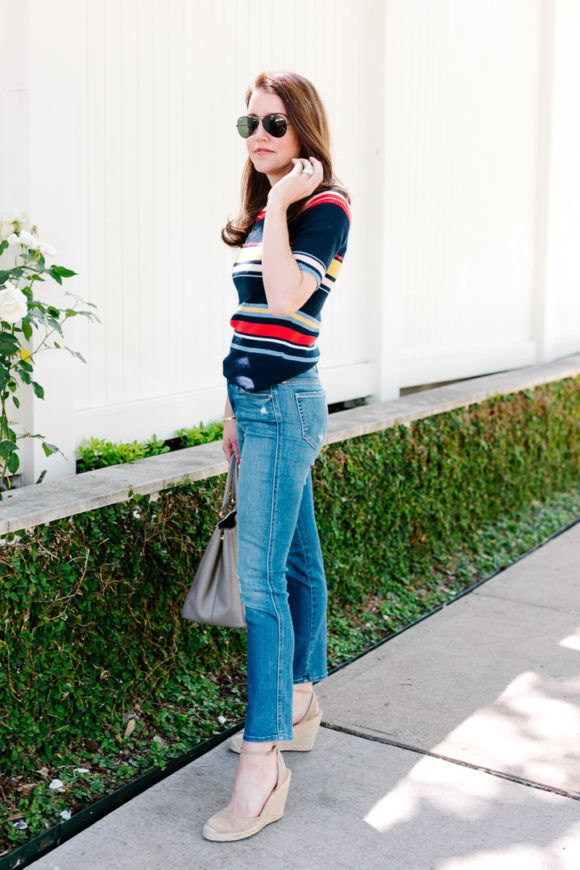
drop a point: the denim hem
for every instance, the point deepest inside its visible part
(275, 739)
(315, 679)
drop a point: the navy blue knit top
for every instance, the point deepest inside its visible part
(267, 349)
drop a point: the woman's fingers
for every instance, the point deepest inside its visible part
(298, 184)
(231, 448)
(309, 171)
(230, 440)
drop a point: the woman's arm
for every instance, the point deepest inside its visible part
(230, 440)
(287, 286)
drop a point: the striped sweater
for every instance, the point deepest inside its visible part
(266, 349)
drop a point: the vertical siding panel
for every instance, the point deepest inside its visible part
(95, 267)
(178, 376)
(129, 199)
(116, 361)
(164, 288)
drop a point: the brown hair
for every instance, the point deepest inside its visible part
(306, 112)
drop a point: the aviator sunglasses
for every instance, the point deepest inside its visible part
(275, 124)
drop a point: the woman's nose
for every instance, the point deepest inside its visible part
(257, 133)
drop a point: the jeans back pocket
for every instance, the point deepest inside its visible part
(313, 417)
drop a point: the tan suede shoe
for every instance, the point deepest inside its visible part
(226, 826)
(304, 731)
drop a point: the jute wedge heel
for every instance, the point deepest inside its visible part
(304, 731)
(226, 826)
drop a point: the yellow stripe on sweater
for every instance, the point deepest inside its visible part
(307, 320)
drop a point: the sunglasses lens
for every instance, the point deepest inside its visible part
(246, 126)
(275, 125)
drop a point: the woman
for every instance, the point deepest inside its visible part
(293, 231)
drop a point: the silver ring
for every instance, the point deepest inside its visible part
(307, 171)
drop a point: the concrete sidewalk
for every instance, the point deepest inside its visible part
(454, 746)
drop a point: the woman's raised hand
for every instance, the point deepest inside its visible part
(298, 183)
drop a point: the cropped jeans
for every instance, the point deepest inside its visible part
(281, 573)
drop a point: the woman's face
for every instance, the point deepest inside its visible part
(270, 155)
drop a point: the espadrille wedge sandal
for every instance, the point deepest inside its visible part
(304, 731)
(226, 826)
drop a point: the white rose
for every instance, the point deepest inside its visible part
(45, 248)
(10, 221)
(13, 304)
(27, 239)
(6, 229)
(14, 217)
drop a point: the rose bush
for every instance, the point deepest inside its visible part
(23, 317)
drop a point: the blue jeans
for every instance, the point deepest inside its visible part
(282, 582)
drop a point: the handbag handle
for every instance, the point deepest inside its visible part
(231, 490)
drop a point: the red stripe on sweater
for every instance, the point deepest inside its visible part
(271, 330)
(329, 197)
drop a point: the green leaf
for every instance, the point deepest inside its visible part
(55, 275)
(11, 274)
(36, 264)
(7, 447)
(13, 463)
(49, 449)
(60, 270)
(27, 328)
(16, 401)
(9, 343)
(54, 324)
(3, 246)
(76, 354)
(90, 314)
(38, 390)
(10, 434)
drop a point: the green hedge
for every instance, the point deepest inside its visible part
(90, 605)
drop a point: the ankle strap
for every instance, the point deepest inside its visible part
(247, 751)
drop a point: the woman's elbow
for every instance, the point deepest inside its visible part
(291, 300)
(282, 309)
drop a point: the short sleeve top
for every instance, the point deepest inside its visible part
(267, 349)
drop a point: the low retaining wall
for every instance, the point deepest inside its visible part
(35, 505)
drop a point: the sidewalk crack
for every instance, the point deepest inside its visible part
(487, 594)
(530, 783)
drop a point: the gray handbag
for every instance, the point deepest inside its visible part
(214, 596)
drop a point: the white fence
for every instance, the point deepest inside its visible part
(454, 123)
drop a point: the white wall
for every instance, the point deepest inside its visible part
(453, 123)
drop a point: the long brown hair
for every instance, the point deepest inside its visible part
(306, 112)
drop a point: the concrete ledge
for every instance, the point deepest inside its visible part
(35, 505)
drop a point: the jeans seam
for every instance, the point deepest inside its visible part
(274, 501)
(310, 620)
